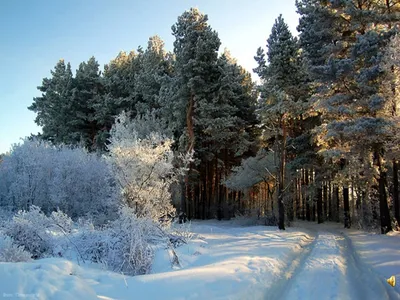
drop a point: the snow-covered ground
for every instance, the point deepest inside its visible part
(225, 261)
(331, 268)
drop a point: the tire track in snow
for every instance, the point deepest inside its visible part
(319, 274)
(329, 268)
(279, 287)
(367, 284)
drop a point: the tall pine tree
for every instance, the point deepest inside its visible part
(281, 94)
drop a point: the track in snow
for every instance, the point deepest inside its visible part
(329, 268)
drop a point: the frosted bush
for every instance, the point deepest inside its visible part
(246, 220)
(93, 245)
(36, 232)
(38, 173)
(5, 216)
(11, 252)
(253, 218)
(129, 251)
(180, 234)
(62, 221)
(28, 229)
(124, 245)
(145, 168)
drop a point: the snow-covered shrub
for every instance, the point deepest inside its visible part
(124, 245)
(6, 215)
(62, 221)
(82, 183)
(38, 173)
(93, 244)
(180, 234)
(24, 174)
(270, 219)
(130, 250)
(36, 232)
(246, 220)
(11, 252)
(28, 229)
(144, 169)
(253, 217)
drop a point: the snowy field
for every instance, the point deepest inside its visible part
(225, 261)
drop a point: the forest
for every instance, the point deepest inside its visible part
(191, 133)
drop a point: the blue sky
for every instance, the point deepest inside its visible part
(34, 35)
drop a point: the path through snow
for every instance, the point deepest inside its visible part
(228, 262)
(329, 268)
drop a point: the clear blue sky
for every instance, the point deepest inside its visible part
(34, 35)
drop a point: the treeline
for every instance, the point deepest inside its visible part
(329, 110)
(205, 101)
(316, 140)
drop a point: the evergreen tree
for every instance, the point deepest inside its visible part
(118, 78)
(87, 95)
(280, 98)
(213, 112)
(155, 65)
(55, 109)
(390, 90)
(196, 49)
(350, 81)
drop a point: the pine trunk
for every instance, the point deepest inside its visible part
(281, 183)
(386, 225)
(396, 191)
(330, 215)
(337, 199)
(319, 206)
(346, 207)
(307, 198)
(325, 201)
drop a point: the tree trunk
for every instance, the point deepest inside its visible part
(319, 206)
(324, 199)
(190, 147)
(396, 191)
(314, 211)
(346, 206)
(307, 198)
(303, 195)
(182, 213)
(336, 195)
(386, 225)
(329, 199)
(298, 198)
(281, 182)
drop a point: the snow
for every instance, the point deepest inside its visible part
(226, 261)
(379, 253)
(44, 279)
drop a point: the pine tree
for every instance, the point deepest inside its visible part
(355, 126)
(55, 109)
(118, 78)
(155, 66)
(196, 49)
(280, 96)
(390, 90)
(87, 95)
